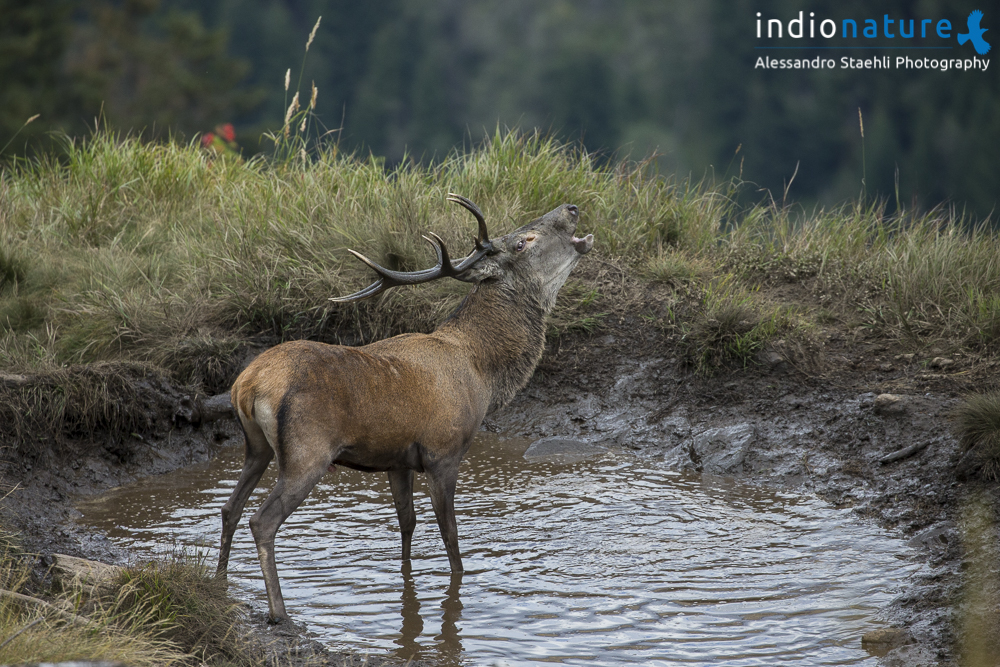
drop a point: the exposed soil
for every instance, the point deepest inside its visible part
(814, 420)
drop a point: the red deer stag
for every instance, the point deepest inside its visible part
(408, 403)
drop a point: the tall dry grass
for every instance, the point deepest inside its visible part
(165, 254)
(927, 278)
(169, 613)
(159, 253)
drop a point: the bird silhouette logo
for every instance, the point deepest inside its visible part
(975, 33)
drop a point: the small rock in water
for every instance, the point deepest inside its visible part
(881, 641)
(720, 451)
(564, 450)
(936, 537)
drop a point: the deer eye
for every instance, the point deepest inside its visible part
(520, 245)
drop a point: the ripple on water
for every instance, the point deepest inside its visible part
(610, 560)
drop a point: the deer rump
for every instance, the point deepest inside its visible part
(406, 404)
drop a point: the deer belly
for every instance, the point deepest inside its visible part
(380, 459)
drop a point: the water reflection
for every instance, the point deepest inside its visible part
(413, 623)
(612, 560)
(448, 643)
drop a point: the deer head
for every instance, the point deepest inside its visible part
(539, 256)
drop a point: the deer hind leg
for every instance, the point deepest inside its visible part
(401, 483)
(441, 484)
(295, 481)
(258, 457)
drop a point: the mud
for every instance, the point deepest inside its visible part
(824, 427)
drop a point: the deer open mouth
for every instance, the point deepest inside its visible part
(583, 245)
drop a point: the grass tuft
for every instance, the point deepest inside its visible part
(167, 613)
(673, 268)
(977, 424)
(731, 327)
(179, 602)
(576, 310)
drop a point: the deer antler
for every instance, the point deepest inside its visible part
(483, 242)
(444, 268)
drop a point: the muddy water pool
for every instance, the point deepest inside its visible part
(609, 560)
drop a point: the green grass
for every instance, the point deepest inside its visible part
(181, 603)
(977, 424)
(172, 612)
(928, 278)
(674, 268)
(130, 250)
(160, 254)
(731, 326)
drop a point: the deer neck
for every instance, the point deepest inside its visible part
(504, 334)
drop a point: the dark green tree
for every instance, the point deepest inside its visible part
(580, 99)
(143, 69)
(34, 35)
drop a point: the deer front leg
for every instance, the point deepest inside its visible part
(441, 484)
(401, 483)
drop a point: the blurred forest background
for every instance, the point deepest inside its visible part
(412, 79)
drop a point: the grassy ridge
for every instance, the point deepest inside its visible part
(160, 253)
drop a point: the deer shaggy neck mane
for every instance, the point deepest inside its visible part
(505, 336)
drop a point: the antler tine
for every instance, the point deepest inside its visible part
(439, 250)
(444, 260)
(389, 278)
(454, 270)
(370, 291)
(444, 267)
(483, 240)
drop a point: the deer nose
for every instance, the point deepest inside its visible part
(573, 210)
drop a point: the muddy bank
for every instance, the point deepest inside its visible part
(44, 467)
(833, 432)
